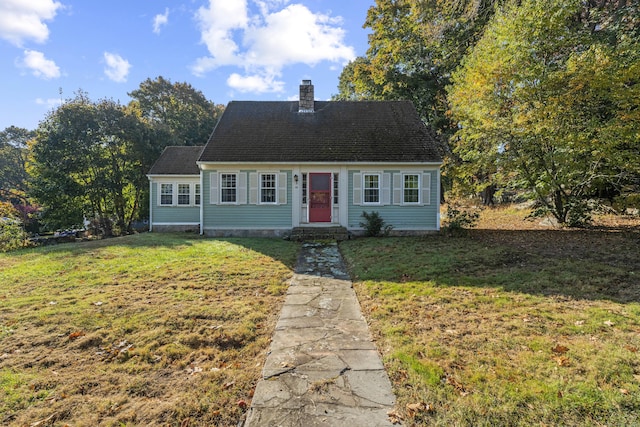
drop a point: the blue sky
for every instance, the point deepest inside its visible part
(228, 49)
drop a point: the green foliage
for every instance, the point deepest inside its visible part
(178, 111)
(546, 101)
(374, 225)
(459, 218)
(12, 235)
(89, 160)
(13, 154)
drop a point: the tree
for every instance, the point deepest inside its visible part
(13, 174)
(178, 112)
(414, 46)
(12, 235)
(87, 162)
(549, 98)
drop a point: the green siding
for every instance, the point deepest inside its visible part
(246, 216)
(172, 214)
(400, 217)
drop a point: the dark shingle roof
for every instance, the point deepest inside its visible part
(338, 131)
(177, 161)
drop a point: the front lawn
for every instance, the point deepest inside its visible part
(506, 327)
(151, 329)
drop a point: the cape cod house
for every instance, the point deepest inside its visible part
(270, 167)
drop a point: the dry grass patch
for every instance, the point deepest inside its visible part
(143, 330)
(530, 326)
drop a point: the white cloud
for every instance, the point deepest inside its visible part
(255, 83)
(49, 102)
(117, 68)
(160, 20)
(24, 20)
(39, 65)
(262, 44)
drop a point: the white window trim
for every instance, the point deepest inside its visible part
(275, 188)
(220, 188)
(364, 189)
(174, 194)
(190, 200)
(255, 188)
(197, 193)
(160, 194)
(419, 189)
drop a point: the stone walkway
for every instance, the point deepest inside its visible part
(322, 369)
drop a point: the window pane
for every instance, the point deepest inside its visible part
(268, 188)
(371, 189)
(411, 189)
(304, 188)
(183, 194)
(166, 194)
(197, 195)
(228, 187)
(320, 182)
(335, 188)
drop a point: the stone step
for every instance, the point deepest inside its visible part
(302, 234)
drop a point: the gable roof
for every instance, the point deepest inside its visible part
(337, 131)
(177, 161)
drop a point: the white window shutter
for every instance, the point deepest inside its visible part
(282, 188)
(213, 197)
(397, 188)
(386, 189)
(426, 189)
(357, 188)
(241, 189)
(253, 188)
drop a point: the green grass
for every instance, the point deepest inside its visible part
(506, 328)
(151, 329)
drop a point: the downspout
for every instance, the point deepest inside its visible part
(438, 190)
(201, 202)
(150, 205)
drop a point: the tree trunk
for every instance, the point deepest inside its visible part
(487, 195)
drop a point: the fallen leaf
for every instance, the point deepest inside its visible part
(74, 335)
(631, 348)
(562, 361)
(228, 385)
(394, 417)
(414, 408)
(608, 323)
(624, 391)
(579, 322)
(560, 349)
(242, 404)
(457, 385)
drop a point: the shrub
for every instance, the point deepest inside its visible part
(459, 218)
(12, 235)
(374, 225)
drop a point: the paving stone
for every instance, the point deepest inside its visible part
(322, 369)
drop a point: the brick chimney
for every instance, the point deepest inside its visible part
(306, 102)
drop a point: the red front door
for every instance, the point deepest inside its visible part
(320, 197)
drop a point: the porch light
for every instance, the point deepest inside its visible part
(295, 178)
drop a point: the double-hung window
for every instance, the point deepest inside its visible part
(304, 188)
(184, 194)
(268, 187)
(335, 188)
(411, 189)
(166, 194)
(371, 188)
(196, 195)
(228, 188)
